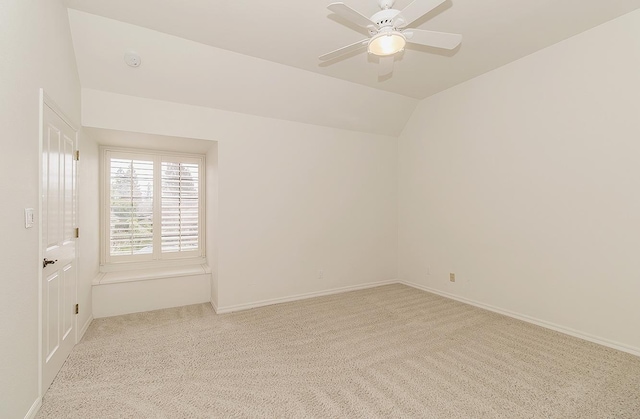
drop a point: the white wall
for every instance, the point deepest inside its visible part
(211, 221)
(167, 288)
(36, 52)
(89, 220)
(293, 198)
(525, 182)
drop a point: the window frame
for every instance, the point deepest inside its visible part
(157, 258)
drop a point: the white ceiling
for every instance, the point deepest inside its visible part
(178, 70)
(296, 32)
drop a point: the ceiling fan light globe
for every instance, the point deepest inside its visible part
(388, 43)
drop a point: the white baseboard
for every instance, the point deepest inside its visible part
(529, 319)
(35, 407)
(262, 303)
(84, 328)
(215, 307)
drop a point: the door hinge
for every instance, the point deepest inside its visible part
(77, 232)
(77, 308)
(77, 156)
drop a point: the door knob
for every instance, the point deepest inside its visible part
(46, 262)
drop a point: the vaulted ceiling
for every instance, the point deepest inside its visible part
(247, 55)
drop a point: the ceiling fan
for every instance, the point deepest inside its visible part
(388, 32)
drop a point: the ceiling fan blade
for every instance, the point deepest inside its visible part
(433, 39)
(414, 11)
(385, 65)
(344, 50)
(352, 15)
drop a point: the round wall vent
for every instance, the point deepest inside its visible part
(132, 59)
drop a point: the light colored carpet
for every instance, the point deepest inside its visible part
(386, 352)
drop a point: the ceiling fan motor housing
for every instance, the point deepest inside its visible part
(384, 18)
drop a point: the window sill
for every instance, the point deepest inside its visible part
(147, 274)
(148, 265)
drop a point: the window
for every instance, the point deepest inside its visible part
(153, 206)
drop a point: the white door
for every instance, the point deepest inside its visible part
(58, 244)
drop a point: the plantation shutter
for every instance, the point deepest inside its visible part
(154, 204)
(180, 206)
(131, 206)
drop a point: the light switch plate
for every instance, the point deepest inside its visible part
(29, 218)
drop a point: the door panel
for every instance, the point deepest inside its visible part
(52, 299)
(68, 300)
(68, 180)
(59, 244)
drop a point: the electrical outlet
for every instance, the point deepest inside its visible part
(452, 277)
(320, 274)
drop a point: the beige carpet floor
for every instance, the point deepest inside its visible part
(387, 352)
